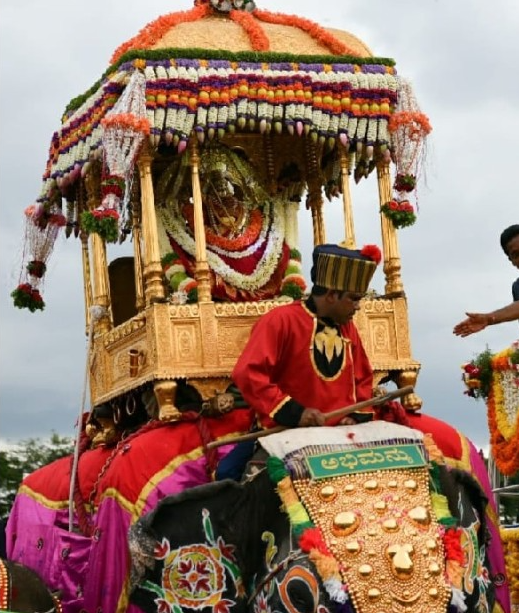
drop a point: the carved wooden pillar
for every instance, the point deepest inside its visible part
(314, 199)
(87, 279)
(201, 267)
(153, 285)
(137, 248)
(349, 228)
(101, 294)
(392, 265)
(403, 379)
(82, 205)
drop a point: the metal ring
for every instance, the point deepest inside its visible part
(117, 414)
(131, 402)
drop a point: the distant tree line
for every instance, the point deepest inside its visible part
(24, 458)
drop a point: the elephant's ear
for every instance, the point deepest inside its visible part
(180, 519)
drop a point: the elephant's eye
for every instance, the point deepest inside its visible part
(301, 596)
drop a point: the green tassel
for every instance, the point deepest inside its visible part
(276, 469)
(448, 522)
(434, 475)
(298, 529)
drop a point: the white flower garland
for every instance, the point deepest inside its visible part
(510, 395)
(266, 265)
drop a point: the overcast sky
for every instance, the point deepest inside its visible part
(461, 56)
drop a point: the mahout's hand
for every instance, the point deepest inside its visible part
(347, 421)
(311, 417)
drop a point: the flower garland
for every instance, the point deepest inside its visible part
(400, 212)
(27, 297)
(183, 287)
(175, 226)
(495, 378)
(155, 30)
(250, 239)
(293, 283)
(104, 222)
(409, 128)
(259, 40)
(316, 31)
(510, 540)
(311, 541)
(477, 375)
(503, 417)
(42, 226)
(306, 97)
(124, 130)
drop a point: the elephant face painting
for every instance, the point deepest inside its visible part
(385, 528)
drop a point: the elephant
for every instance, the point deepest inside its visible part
(115, 485)
(395, 535)
(22, 590)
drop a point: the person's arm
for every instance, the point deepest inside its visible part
(476, 322)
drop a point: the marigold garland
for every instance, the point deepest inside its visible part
(259, 40)
(505, 452)
(510, 540)
(155, 30)
(239, 243)
(491, 377)
(316, 31)
(507, 427)
(417, 124)
(127, 120)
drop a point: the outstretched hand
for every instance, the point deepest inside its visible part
(475, 322)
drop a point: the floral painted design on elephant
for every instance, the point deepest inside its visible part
(194, 576)
(290, 584)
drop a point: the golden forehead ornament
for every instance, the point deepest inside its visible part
(381, 529)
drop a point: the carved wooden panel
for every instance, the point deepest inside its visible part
(204, 341)
(233, 335)
(187, 346)
(382, 344)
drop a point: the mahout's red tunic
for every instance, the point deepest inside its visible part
(282, 364)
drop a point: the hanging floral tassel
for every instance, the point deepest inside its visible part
(125, 128)
(408, 128)
(41, 230)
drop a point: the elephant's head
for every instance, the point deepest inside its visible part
(367, 526)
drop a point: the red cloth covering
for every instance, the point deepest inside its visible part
(446, 437)
(277, 364)
(144, 457)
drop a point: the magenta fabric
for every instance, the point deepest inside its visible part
(495, 553)
(92, 572)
